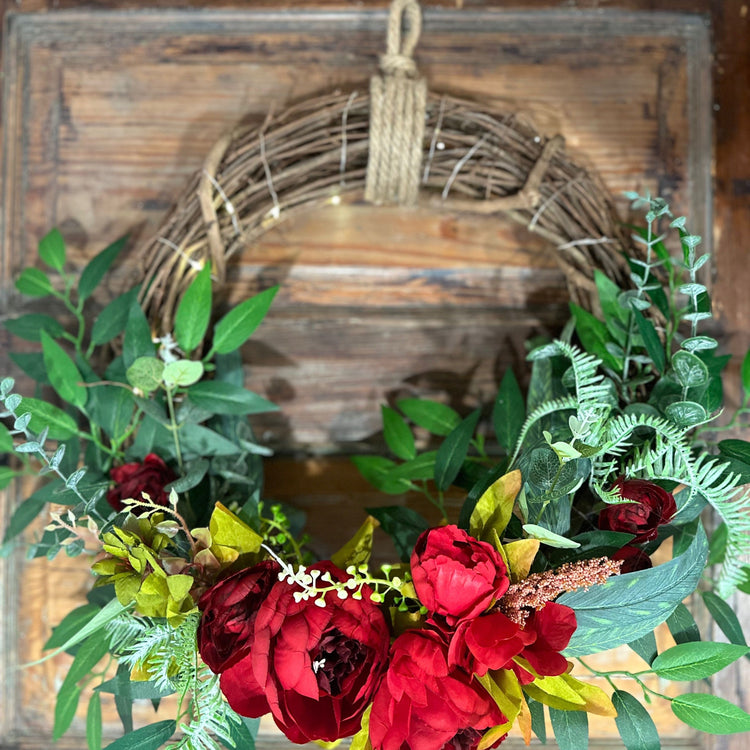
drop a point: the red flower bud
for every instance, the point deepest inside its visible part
(650, 507)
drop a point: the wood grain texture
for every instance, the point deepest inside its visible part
(106, 114)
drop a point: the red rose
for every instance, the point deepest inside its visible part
(487, 642)
(228, 612)
(455, 575)
(318, 667)
(633, 559)
(131, 480)
(650, 507)
(423, 704)
(552, 628)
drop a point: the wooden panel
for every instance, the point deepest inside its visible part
(106, 114)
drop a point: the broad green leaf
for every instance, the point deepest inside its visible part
(358, 549)
(182, 373)
(710, 713)
(196, 471)
(717, 545)
(682, 625)
(137, 342)
(609, 293)
(25, 513)
(629, 606)
(699, 343)
(63, 374)
(696, 660)
(145, 374)
(33, 282)
(227, 530)
(243, 734)
(221, 397)
(65, 709)
(495, 507)
(124, 697)
(634, 723)
(111, 407)
(685, 413)
(571, 729)
(437, 418)
(32, 363)
(71, 624)
(538, 725)
(545, 536)
(690, 370)
(520, 556)
(139, 690)
(94, 723)
(205, 442)
(376, 470)
(236, 327)
(452, 453)
(194, 311)
(503, 687)
(52, 249)
(403, 525)
(745, 372)
(725, 618)
(97, 267)
(509, 412)
(6, 477)
(653, 344)
(739, 449)
(398, 436)
(112, 319)
(6, 439)
(150, 737)
(29, 327)
(594, 336)
(421, 467)
(61, 425)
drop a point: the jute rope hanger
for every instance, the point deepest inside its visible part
(458, 155)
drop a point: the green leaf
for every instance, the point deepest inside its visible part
(651, 340)
(690, 369)
(182, 373)
(205, 442)
(6, 439)
(694, 661)
(609, 293)
(634, 723)
(725, 618)
(71, 624)
(538, 725)
(376, 470)
(33, 282)
(509, 412)
(221, 397)
(710, 713)
(124, 697)
(112, 319)
(236, 327)
(739, 449)
(699, 343)
(95, 269)
(685, 413)
(29, 327)
(594, 336)
(61, 425)
(140, 690)
(65, 709)
(145, 374)
(571, 729)
(194, 311)
(451, 454)
(63, 374)
(437, 418)
(111, 407)
(397, 434)
(137, 342)
(682, 625)
(549, 538)
(6, 477)
(628, 606)
(421, 467)
(52, 249)
(94, 723)
(150, 737)
(745, 372)
(25, 513)
(645, 647)
(403, 525)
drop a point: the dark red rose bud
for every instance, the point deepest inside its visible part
(132, 480)
(650, 506)
(633, 559)
(317, 667)
(228, 612)
(456, 576)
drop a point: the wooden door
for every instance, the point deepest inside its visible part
(107, 113)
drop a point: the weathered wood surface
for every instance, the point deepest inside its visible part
(106, 114)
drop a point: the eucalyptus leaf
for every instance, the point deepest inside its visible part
(690, 370)
(685, 413)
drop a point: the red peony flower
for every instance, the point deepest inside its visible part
(633, 559)
(131, 480)
(552, 627)
(228, 612)
(651, 507)
(318, 667)
(455, 575)
(423, 704)
(487, 642)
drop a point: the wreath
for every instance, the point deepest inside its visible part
(481, 628)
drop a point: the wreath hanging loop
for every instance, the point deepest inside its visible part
(397, 114)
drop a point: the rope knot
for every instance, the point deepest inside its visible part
(395, 64)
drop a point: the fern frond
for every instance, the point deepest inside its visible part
(568, 403)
